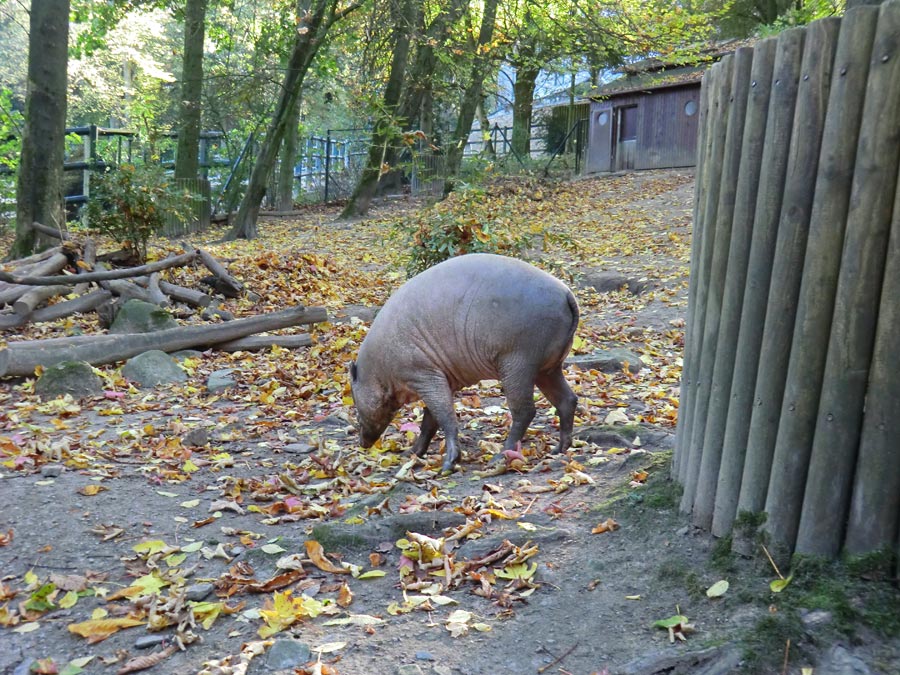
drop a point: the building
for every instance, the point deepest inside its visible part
(646, 119)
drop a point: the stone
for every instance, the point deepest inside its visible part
(24, 668)
(196, 437)
(610, 282)
(220, 380)
(183, 354)
(196, 592)
(299, 448)
(148, 641)
(409, 669)
(424, 656)
(816, 618)
(152, 368)
(287, 653)
(52, 470)
(75, 378)
(607, 360)
(137, 316)
(839, 660)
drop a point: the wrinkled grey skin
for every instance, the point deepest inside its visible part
(470, 318)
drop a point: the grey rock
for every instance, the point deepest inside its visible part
(683, 531)
(148, 641)
(409, 669)
(24, 668)
(839, 660)
(152, 368)
(286, 653)
(424, 656)
(196, 437)
(816, 618)
(52, 470)
(196, 592)
(609, 282)
(183, 354)
(299, 448)
(607, 360)
(440, 669)
(362, 312)
(137, 316)
(75, 378)
(682, 663)
(219, 380)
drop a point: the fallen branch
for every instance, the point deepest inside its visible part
(84, 303)
(257, 342)
(23, 357)
(37, 280)
(189, 296)
(49, 231)
(52, 264)
(225, 284)
(27, 303)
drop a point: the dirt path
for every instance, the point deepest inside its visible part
(222, 493)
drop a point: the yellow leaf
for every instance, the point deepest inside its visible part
(780, 584)
(317, 555)
(96, 630)
(91, 490)
(68, 600)
(717, 590)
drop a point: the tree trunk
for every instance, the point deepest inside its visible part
(472, 93)
(186, 159)
(285, 192)
(404, 20)
(523, 104)
(487, 147)
(316, 20)
(39, 190)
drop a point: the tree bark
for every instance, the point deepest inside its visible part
(472, 94)
(186, 159)
(403, 15)
(285, 191)
(523, 105)
(23, 357)
(317, 17)
(39, 190)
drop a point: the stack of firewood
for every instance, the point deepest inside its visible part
(30, 289)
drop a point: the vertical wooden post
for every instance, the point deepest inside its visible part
(785, 83)
(760, 80)
(827, 498)
(729, 261)
(697, 234)
(875, 508)
(820, 272)
(720, 90)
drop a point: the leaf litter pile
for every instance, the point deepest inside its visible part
(185, 531)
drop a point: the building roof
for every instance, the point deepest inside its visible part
(649, 81)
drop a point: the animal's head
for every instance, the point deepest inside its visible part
(375, 407)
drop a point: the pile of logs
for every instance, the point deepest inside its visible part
(29, 285)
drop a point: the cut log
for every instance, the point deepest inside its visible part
(157, 297)
(49, 231)
(40, 280)
(257, 342)
(49, 266)
(24, 357)
(88, 260)
(128, 290)
(225, 284)
(28, 302)
(22, 263)
(84, 303)
(189, 296)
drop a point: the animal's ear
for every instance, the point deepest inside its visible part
(353, 373)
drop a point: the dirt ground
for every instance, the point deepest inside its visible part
(139, 503)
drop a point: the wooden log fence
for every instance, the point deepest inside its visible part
(791, 392)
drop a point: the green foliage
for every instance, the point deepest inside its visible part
(800, 14)
(131, 205)
(468, 221)
(10, 145)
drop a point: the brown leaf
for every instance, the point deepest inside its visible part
(317, 555)
(147, 661)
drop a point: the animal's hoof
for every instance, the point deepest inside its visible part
(448, 467)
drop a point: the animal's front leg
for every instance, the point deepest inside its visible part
(438, 399)
(426, 433)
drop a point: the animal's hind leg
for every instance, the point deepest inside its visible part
(557, 390)
(519, 390)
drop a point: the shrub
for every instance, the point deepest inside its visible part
(468, 221)
(131, 205)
